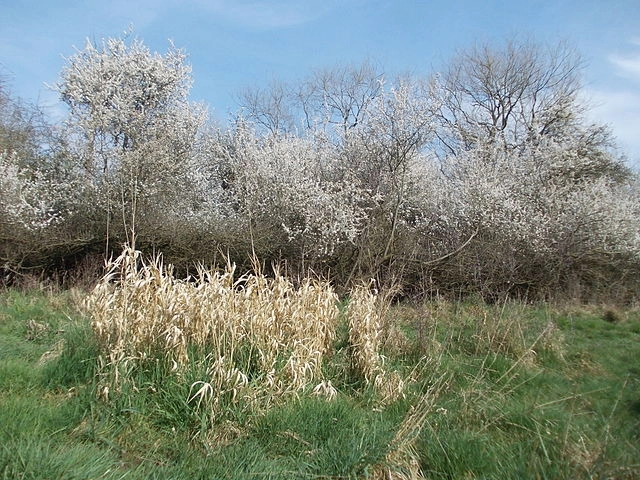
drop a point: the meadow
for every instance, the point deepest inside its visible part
(232, 376)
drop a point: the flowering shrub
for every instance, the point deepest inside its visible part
(451, 184)
(23, 206)
(293, 186)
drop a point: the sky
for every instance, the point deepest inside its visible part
(235, 44)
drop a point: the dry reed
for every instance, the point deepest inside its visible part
(258, 337)
(365, 330)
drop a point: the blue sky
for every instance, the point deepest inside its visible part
(235, 44)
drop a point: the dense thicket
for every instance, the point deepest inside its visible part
(484, 178)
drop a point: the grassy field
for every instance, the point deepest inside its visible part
(471, 390)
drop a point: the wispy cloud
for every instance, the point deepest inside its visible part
(122, 14)
(628, 64)
(265, 14)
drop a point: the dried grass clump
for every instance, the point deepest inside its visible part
(365, 312)
(257, 337)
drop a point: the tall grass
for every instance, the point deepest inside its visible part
(250, 338)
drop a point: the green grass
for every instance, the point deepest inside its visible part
(513, 392)
(559, 412)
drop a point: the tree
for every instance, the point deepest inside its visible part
(270, 109)
(40, 195)
(541, 231)
(509, 95)
(24, 129)
(340, 96)
(333, 101)
(527, 176)
(135, 125)
(385, 153)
